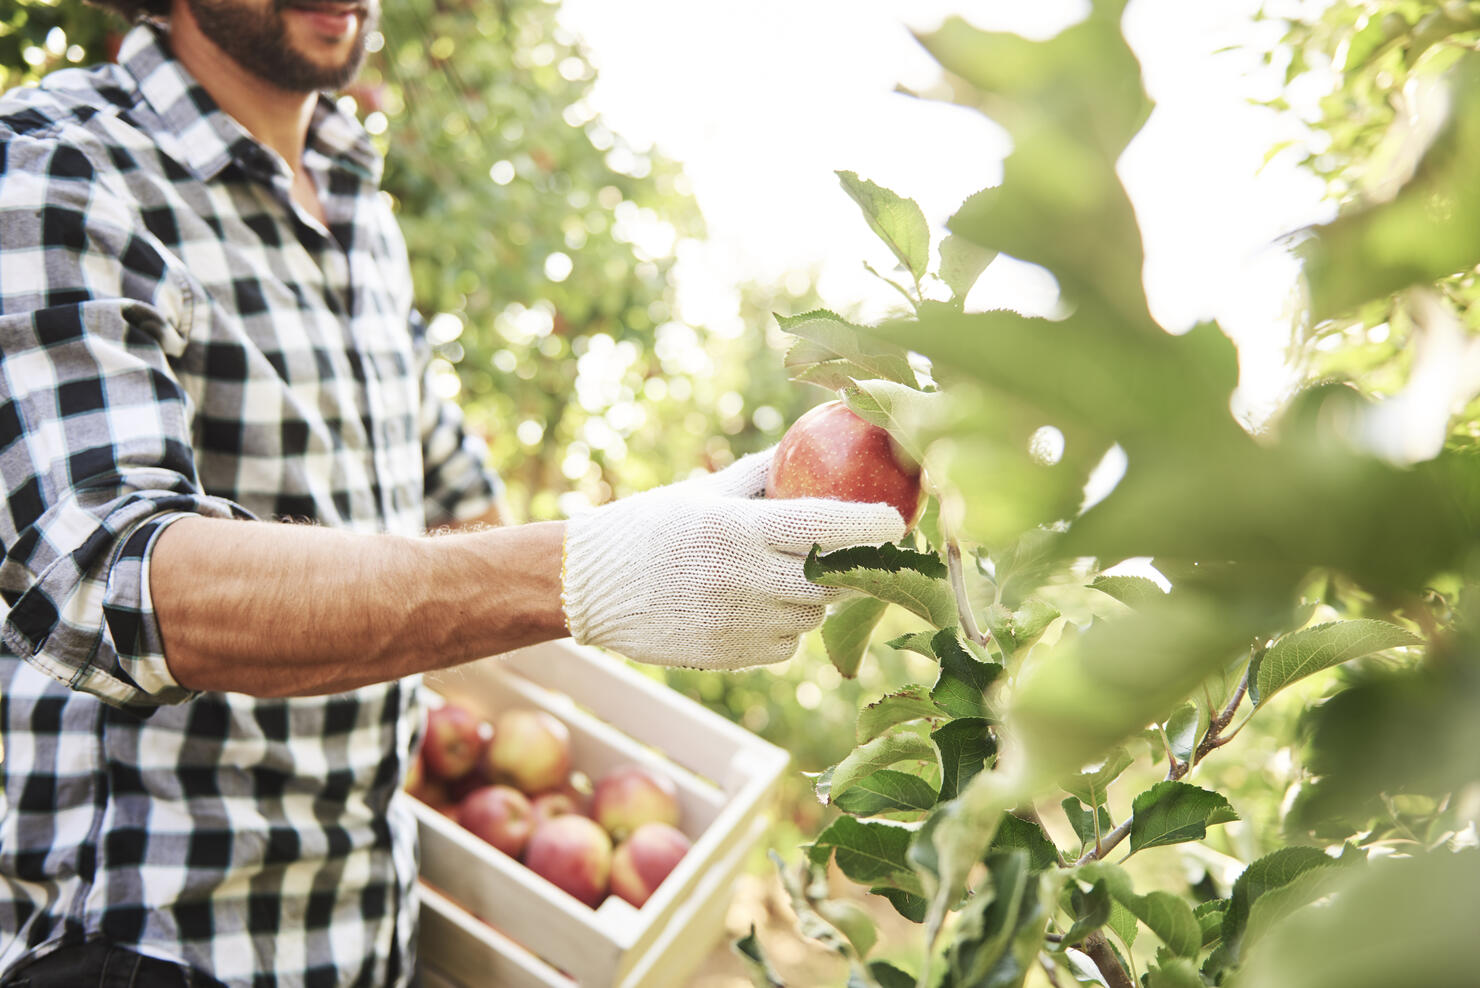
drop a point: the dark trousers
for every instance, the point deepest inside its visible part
(98, 964)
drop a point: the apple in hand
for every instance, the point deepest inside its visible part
(531, 749)
(454, 739)
(501, 815)
(629, 796)
(573, 853)
(642, 861)
(831, 452)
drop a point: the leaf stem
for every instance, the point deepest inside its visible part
(969, 626)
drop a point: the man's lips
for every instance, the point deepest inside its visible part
(330, 19)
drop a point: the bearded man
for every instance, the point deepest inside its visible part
(206, 329)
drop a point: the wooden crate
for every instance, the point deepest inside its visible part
(541, 936)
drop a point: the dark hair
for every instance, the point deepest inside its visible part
(134, 11)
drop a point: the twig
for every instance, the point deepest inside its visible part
(1104, 847)
(963, 605)
(1050, 969)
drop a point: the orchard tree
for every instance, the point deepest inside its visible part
(1049, 798)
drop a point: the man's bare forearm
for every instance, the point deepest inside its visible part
(288, 610)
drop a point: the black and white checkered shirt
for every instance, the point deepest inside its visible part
(176, 338)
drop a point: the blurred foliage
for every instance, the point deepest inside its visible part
(1319, 571)
(543, 249)
(1384, 130)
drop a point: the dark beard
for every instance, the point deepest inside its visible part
(257, 41)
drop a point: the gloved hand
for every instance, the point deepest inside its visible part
(705, 573)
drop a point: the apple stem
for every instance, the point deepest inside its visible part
(963, 605)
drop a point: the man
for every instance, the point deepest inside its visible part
(205, 329)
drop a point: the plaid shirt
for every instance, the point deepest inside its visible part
(177, 338)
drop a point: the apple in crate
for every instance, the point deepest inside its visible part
(501, 815)
(642, 861)
(631, 795)
(454, 739)
(530, 749)
(557, 802)
(573, 853)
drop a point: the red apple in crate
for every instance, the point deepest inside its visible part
(629, 796)
(573, 853)
(501, 815)
(557, 802)
(831, 452)
(642, 861)
(530, 749)
(454, 739)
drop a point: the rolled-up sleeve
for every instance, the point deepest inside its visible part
(460, 485)
(95, 427)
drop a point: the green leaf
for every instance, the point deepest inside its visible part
(1210, 917)
(965, 746)
(846, 632)
(881, 752)
(1129, 590)
(906, 413)
(1091, 910)
(1015, 832)
(1092, 788)
(1083, 821)
(1275, 905)
(898, 221)
(1269, 873)
(915, 581)
(868, 852)
(1301, 653)
(1183, 729)
(961, 264)
(831, 353)
(1175, 972)
(886, 975)
(911, 907)
(1175, 812)
(915, 641)
(1390, 921)
(910, 703)
(761, 974)
(960, 690)
(849, 919)
(1166, 915)
(886, 791)
(1000, 931)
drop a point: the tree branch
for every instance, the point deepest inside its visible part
(1099, 950)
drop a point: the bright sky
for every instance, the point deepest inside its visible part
(763, 101)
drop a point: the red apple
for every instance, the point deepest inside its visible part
(642, 861)
(454, 739)
(557, 802)
(831, 452)
(629, 796)
(530, 749)
(574, 854)
(500, 815)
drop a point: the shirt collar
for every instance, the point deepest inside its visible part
(208, 138)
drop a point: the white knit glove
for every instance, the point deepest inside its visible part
(705, 573)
